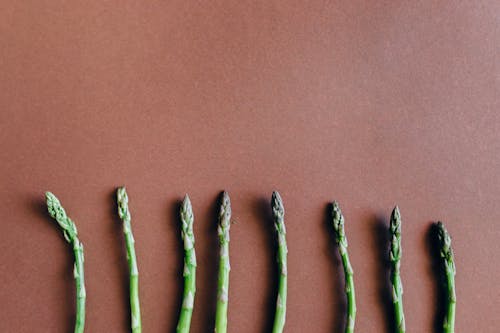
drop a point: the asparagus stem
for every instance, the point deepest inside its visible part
(446, 253)
(395, 257)
(189, 274)
(341, 240)
(224, 266)
(124, 214)
(71, 235)
(279, 225)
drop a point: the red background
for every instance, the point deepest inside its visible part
(371, 103)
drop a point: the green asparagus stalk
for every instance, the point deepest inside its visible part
(446, 253)
(71, 235)
(279, 225)
(341, 240)
(124, 214)
(395, 257)
(187, 220)
(224, 266)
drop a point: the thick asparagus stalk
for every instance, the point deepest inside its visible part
(187, 220)
(395, 257)
(341, 240)
(279, 225)
(224, 266)
(71, 235)
(449, 266)
(124, 214)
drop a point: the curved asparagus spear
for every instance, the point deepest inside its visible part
(279, 225)
(187, 220)
(449, 265)
(71, 235)
(124, 214)
(224, 266)
(341, 240)
(395, 256)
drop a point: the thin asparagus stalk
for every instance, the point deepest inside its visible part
(395, 257)
(224, 266)
(71, 235)
(279, 225)
(341, 240)
(124, 214)
(187, 220)
(446, 252)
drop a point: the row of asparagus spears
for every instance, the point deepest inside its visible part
(187, 218)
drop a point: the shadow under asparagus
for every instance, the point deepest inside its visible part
(381, 248)
(39, 206)
(263, 208)
(437, 270)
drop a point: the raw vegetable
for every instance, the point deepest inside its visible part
(279, 225)
(187, 220)
(449, 267)
(224, 266)
(124, 214)
(71, 235)
(341, 240)
(395, 257)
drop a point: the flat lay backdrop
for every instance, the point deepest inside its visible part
(372, 103)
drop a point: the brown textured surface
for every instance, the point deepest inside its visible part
(370, 103)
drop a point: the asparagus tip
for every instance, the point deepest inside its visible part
(336, 205)
(122, 200)
(186, 209)
(277, 204)
(395, 229)
(53, 204)
(225, 207)
(50, 198)
(57, 212)
(186, 201)
(396, 222)
(444, 239)
(121, 195)
(337, 217)
(396, 214)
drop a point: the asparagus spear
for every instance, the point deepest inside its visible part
(71, 235)
(341, 240)
(395, 257)
(446, 253)
(187, 219)
(279, 225)
(124, 214)
(224, 266)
